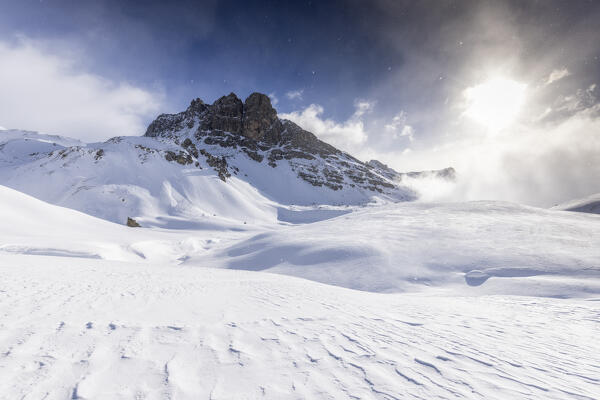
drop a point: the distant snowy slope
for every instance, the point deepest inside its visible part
(35, 228)
(16, 134)
(411, 246)
(229, 162)
(590, 204)
(478, 247)
(18, 147)
(126, 177)
(91, 309)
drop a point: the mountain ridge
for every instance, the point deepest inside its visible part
(254, 128)
(211, 165)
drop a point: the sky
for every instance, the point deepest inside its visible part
(506, 92)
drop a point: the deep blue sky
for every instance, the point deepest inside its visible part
(391, 52)
(409, 62)
(209, 48)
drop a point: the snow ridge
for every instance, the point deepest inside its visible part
(188, 170)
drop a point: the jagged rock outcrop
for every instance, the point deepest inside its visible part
(225, 115)
(132, 223)
(253, 127)
(255, 119)
(260, 120)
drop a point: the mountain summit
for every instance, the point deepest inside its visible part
(211, 165)
(254, 119)
(253, 128)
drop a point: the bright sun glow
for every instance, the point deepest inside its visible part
(495, 103)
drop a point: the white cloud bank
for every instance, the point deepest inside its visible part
(295, 94)
(539, 164)
(557, 75)
(398, 127)
(533, 163)
(274, 99)
(45, 92)
(348, 135)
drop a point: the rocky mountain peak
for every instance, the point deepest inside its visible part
(225, 115)
(229, 105)
(260, 120)
(252, 127)
(254, 119)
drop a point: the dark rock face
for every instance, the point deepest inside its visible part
(255, 119)
(260, 119)
(225, 115)
(99, 154)
(132, 223)
(197, 107)
(253, 128)
(181, 157)
(163, 123)
(219, 164)
(295, 137)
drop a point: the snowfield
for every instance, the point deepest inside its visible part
(265, 286)
(95, 310)
(415, 246)
(590, 204)
(92, 329)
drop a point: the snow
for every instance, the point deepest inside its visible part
(229, 292)
(590, 204)
(93, 309)
(94, 329)
(131, 178)
(409, 246)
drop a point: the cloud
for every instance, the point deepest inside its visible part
(557, 75)
(540, 165)
(399, 128)
(295, 94)
(583, 101)
(348, 135)
(274, 99)
(536, 161)
(362, 107)
(47, 92)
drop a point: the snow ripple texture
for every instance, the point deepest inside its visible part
(94, 329)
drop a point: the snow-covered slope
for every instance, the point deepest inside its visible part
(129, 177)
(468, 248)
(18, 147)
(483, 300)
(97, 330)
(411, 246)
(33, 227)
(590, 204)
(203, 166)
(95, 310)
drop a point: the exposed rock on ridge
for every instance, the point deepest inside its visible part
(253, 128)
(255, 119)
(260, 120)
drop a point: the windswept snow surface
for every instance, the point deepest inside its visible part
(92, 329)
(414, 246)
(590, 204)
(95, 310)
